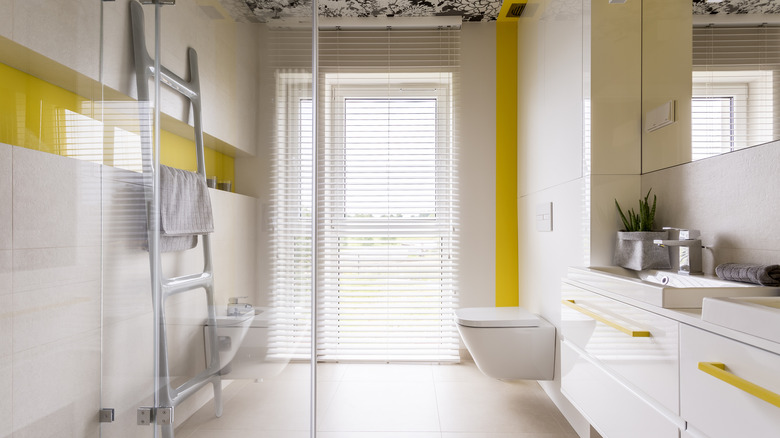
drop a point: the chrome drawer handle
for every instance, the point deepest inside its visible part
(599, 318)
(718, 370)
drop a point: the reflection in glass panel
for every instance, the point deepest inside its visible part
(734, 88)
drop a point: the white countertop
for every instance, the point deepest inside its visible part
(690, 317)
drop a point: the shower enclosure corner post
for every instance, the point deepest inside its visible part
(315, 211)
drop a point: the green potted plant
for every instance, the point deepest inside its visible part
(635, 248)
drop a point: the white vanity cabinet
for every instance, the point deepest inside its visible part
(620, 365)
(724, 405)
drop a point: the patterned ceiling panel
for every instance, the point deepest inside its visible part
(264, 11)
(702, 7)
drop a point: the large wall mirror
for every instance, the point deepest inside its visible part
(710, 78)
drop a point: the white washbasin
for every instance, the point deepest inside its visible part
(758, 316)
(666, 288)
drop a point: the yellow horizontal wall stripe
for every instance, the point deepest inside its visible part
(179, 152)
(507, 292)
(35, 114)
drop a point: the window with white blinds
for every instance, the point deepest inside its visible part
(387, 194)
(736, 88)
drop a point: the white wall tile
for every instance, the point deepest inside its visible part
(604, 217)
(67, 32)
(6, 18)
(6, 195)
(6, 396)
(49, 267)
(6, 272)
(126, 274)
(128, 367)
(46, 315)
(234, 246)
(730, 198)
(6, 360)
(56, 201)
(56, 388)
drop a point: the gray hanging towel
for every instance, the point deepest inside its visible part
(185, 209)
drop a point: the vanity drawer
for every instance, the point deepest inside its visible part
(611, 407)
(725, 408)
(639, 346)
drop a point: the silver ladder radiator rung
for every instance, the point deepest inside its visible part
(186, 389)
(172, 286)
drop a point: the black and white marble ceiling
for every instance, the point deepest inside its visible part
(702, 7)
(264, 11)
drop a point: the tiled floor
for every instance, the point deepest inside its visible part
(383, 401)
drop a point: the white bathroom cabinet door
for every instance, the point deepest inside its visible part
(719, 409)
(614, 410)
(649, 361)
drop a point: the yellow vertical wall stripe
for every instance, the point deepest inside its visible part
(507, 293)
(33, 115)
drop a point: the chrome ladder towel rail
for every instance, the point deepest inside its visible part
(163, 288)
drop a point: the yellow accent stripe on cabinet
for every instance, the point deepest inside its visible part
(507, 292)
(718, 370)
(633, 333)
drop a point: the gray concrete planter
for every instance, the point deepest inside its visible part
(635, 250)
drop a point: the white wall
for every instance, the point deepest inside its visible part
(76, 292)
(730, 198)
(579, 141)
(68, 33)
(477, 164)
(551, 98)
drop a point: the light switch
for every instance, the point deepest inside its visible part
(544, 216)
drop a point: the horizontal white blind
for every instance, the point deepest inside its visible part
(735, 88)
(290, 211)
(387, 188)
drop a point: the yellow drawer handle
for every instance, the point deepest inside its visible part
(616, 326)
(718, 370)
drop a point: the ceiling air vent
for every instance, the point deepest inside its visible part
(516, 10)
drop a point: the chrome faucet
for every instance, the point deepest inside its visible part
(234, 308)
(685, 250)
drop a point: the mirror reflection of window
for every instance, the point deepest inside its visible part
(735, 88)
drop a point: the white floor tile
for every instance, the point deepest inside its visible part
(385, 401)
(382, 406)
(387, 373)
(496, 407)
(378, 435)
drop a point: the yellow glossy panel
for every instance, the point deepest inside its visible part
(35, 114)
(179, 152)
(32, 111)
(507, 292)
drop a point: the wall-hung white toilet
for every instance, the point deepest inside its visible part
(243, 341)
(508, 342)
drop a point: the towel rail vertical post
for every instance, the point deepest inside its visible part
(162, 288)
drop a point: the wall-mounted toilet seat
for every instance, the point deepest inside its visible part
(508, 342)
(496, 317)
